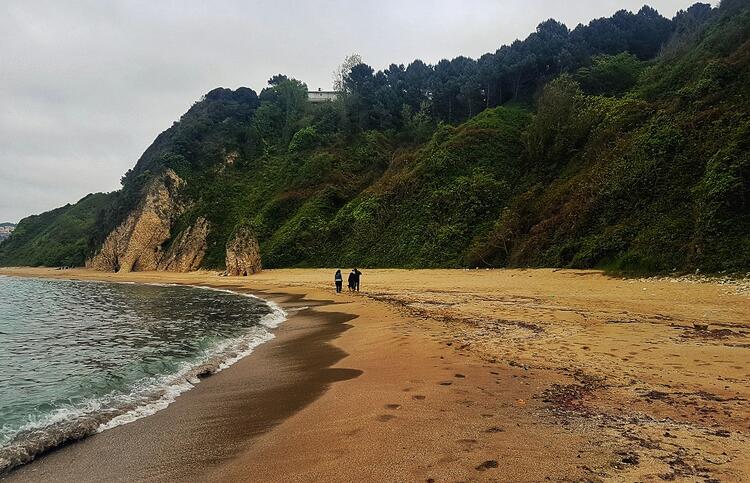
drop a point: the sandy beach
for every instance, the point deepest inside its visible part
(452, 375)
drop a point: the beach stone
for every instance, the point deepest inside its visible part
(487, 465)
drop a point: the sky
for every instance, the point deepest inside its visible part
(85, 86)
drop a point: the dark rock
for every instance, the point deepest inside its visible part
(487, 465)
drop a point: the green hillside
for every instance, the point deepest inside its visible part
(660, 177)
(622, 144)
(55, 238)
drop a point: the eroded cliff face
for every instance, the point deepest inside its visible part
(243, 254)
(186, 252)
(136, 245)
(144, 241)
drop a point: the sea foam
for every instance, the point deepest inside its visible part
(145, 398)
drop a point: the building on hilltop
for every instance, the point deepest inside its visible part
(321, 96)
(5, 230)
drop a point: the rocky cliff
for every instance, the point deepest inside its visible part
(137, 244)
(187, 250)
(145, 240)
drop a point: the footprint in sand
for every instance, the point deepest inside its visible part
(418, 397)
(460, 376)
(392, 406)
(384, 418)
(468, 444)
(445, 383)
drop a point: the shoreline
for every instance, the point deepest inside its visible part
(450, 375)
(299, 357)
(171, 385)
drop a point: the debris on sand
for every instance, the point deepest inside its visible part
(627, 458)
(487, 465)
(571, 396)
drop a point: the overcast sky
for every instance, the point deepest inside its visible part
(85, 86)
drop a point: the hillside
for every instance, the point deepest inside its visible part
(622, 144)
(57, 237)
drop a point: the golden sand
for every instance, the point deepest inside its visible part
(509, 375)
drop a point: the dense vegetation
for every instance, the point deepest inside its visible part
(622, 144)
(57, 237)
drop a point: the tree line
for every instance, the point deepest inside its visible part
(455, 90)
(606, 57)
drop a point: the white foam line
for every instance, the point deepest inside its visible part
(183, 380)
(270, 320)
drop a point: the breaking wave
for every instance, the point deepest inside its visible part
(70, 422)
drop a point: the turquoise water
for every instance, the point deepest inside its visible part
(81, 357)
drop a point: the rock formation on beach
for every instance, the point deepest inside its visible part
(186, 252)
(243, 254)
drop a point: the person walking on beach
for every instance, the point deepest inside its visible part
(357, 275)
(339, 279)
(352, 280)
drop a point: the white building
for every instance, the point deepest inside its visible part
(5, 230)
(321, 96)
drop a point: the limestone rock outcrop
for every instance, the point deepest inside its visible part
(243, 254)
(186, 252)
(136, 244)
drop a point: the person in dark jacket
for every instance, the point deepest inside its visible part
(352, 280)
(357, 274)
(339, 280)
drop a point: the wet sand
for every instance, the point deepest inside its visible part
(503, 375)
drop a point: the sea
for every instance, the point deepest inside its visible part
(80, 357)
